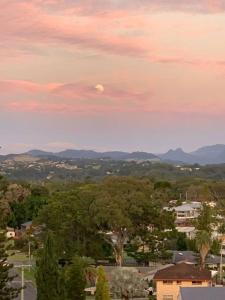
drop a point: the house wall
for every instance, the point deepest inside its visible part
(10, 234)
(173, 289)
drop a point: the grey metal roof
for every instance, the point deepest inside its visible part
(26, 224)
(188, 256)
(202, 293)
(192, 257)
(184, 207)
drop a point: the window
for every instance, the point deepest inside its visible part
(196, 283)
(167, 282)
(179, 282)
(168, 297)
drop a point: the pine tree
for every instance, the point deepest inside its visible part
(76, 279)
(7, 291)
(102, 287)
(47, 275)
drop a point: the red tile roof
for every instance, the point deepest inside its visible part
(183, 271)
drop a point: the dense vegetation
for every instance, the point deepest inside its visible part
(81, 224)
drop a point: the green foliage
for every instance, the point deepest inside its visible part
(7, 292)
(27, 210)
(203, 244)
(162, 185)
(70, 216)
(124, 206)
(191, 245)
(206, 219)
(47, 275)
(82, 216)
(102, 286)
(75, 279)
(3, 184)
(215, 247)
(182, 242)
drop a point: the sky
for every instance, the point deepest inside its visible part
(134, 75)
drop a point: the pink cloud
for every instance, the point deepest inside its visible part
(68, 98)
(28, 22)
(101, 7)
(81, 98)
(123, 29)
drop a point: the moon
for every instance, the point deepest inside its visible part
(99, 88)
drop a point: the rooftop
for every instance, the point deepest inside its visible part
(206, 293)
(193, 258)
(183, 271)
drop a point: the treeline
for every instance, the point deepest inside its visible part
(102, 220)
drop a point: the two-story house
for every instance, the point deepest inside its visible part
(170, 280)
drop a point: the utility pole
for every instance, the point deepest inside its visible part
(29, 254)
(221, 261)
(22, 282)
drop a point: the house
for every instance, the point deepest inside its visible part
(10, 232)
(187, 211)
(26, 226)
(206, 293)
(170, 280)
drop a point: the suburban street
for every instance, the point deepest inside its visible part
(30, 290)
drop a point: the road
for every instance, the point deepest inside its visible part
(29, 291)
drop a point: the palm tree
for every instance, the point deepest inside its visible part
(203, 244)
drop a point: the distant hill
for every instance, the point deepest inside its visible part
(214, 154)
(91, 154)
(179, 155)
(210, 151)
(37, 152)
(211, 154)
(70, 153)
(141, 156)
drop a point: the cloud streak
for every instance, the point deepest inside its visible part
(124, 28)
(67, 98)
(82, 98)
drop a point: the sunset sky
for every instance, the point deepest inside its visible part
(144, 75)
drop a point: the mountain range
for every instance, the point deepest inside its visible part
(214, 154)
(91, 154)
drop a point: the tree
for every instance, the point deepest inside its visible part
(70, 217)
(75, 279)
(7, 292)
(47, 275)
(203, 244)
(102, 287)
(124, 209)
(127, 283)
(181, 241)
(206, 219)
